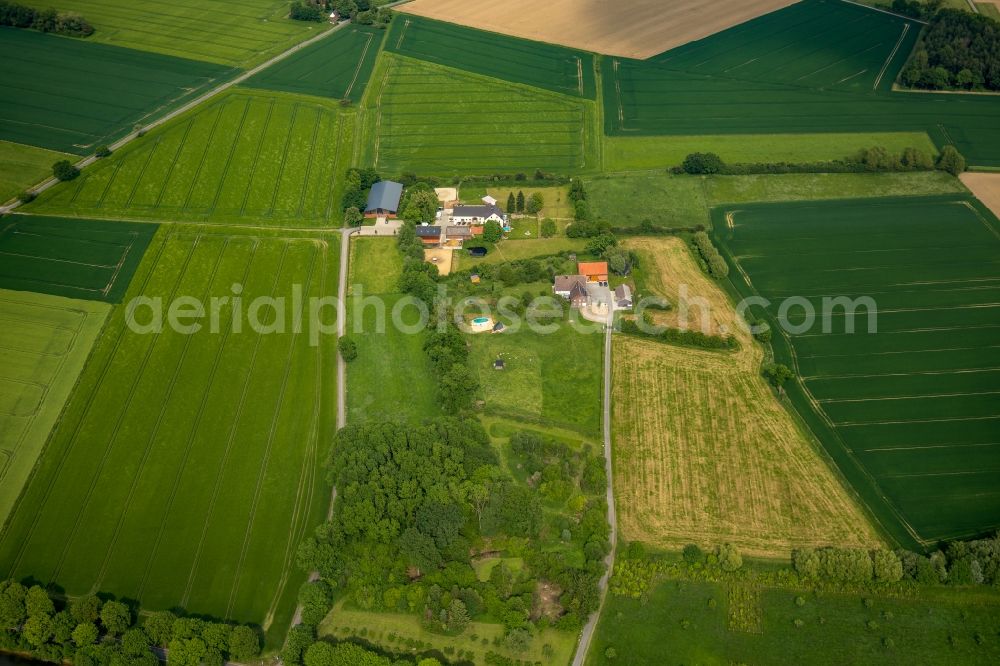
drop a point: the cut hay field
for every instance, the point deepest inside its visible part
(71, 95)
(23, 166)
(184, 471)
(909, 413)
(234, 34)
(391, 377)
(88, 259)
(552, 379)
(703, 452)
(435, 120)
(630, 153)
(266, 157)
(337, 67)
(538, 64)
(745, 82)
(45, 342)
(636, 29)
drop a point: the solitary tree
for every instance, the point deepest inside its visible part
(348, 348)
(777, 374)
(520, 201)
(353, 217)
(511, 203)
(492, 232)
(548, 228)
(64, 170)
(951, 161)
(535, 203)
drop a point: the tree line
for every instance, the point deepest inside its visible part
(876, 159)
(70, 24)
(91, 631)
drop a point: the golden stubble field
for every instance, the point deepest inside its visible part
(629, 28)
(703, 451)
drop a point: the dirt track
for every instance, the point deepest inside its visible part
(629, 28)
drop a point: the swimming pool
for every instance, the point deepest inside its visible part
(479, 321)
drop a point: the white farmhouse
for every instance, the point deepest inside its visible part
(477, 214)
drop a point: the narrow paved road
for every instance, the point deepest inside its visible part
(87, 161)
(587, 635)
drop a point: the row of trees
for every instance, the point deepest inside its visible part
(714, 263)
(45, 20)
(363, 12)
(959, 50)
(90, 631)
(519, 204)
(868, 160)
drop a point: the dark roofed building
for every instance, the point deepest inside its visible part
(623, 296)
(383, 199)
(429, 235)
(564, 284)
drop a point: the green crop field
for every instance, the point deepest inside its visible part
(817, 66)
(909, 413)
(22, 166)
(87, 259)
(537, 64)
(551, 379)
(235, 34)
(71, 95)
(434, 120)
(628, 153)
(700, 623)
(391, 377)
(684, 201)
(337, 66)
(185, 469)
(272, 158)
(45, 342)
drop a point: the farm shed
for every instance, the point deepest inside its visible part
(429, 235)
(623, 297)
(383, 199)
(594, 271)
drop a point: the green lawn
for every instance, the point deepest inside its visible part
(549, 378)
(934, 626)
(184, 471)
(436, 120)
(235, 34)
(668, 200)
(557, 203)
(22, 167)
(247, 156)
(72, 95)
(89, 259)
(375, 266)
(908, 412)
(624, 153)
(522, 249)
(46, 341)
(379, 629)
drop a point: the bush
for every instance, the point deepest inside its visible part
(951, 161)
(353, 217)
(102, 151)
(27, 196)
(717, 266)
(702, 163)
(777, 374)
(693, 554)
(64, 170)
(548, 228)
(348, 348)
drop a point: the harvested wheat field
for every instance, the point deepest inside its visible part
(986, 187)
(704, 453)
(634, 29)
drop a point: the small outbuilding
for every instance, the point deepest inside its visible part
(499, 327)
(429, 235)
(623, 297)
(383, 199)
(498, 364)
(489, 201)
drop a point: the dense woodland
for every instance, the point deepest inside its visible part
(70, 24)
(957, 51)
(419, 505)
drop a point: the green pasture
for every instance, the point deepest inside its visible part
(89, 259)
(22, 167)
(522, 249)
(684, 201)
(531, 63)
(337, 66)
(743, 81)
(549, 378)
(434, 120)
(46, 340)
(72, 95)
(235, 34)
(390, 631)
(557, 203)
(184, 471)
(391, 377)
(909, 412)
(693, 618)
(269, 158)
(631, 153)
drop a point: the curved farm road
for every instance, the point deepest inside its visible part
(609, 562)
